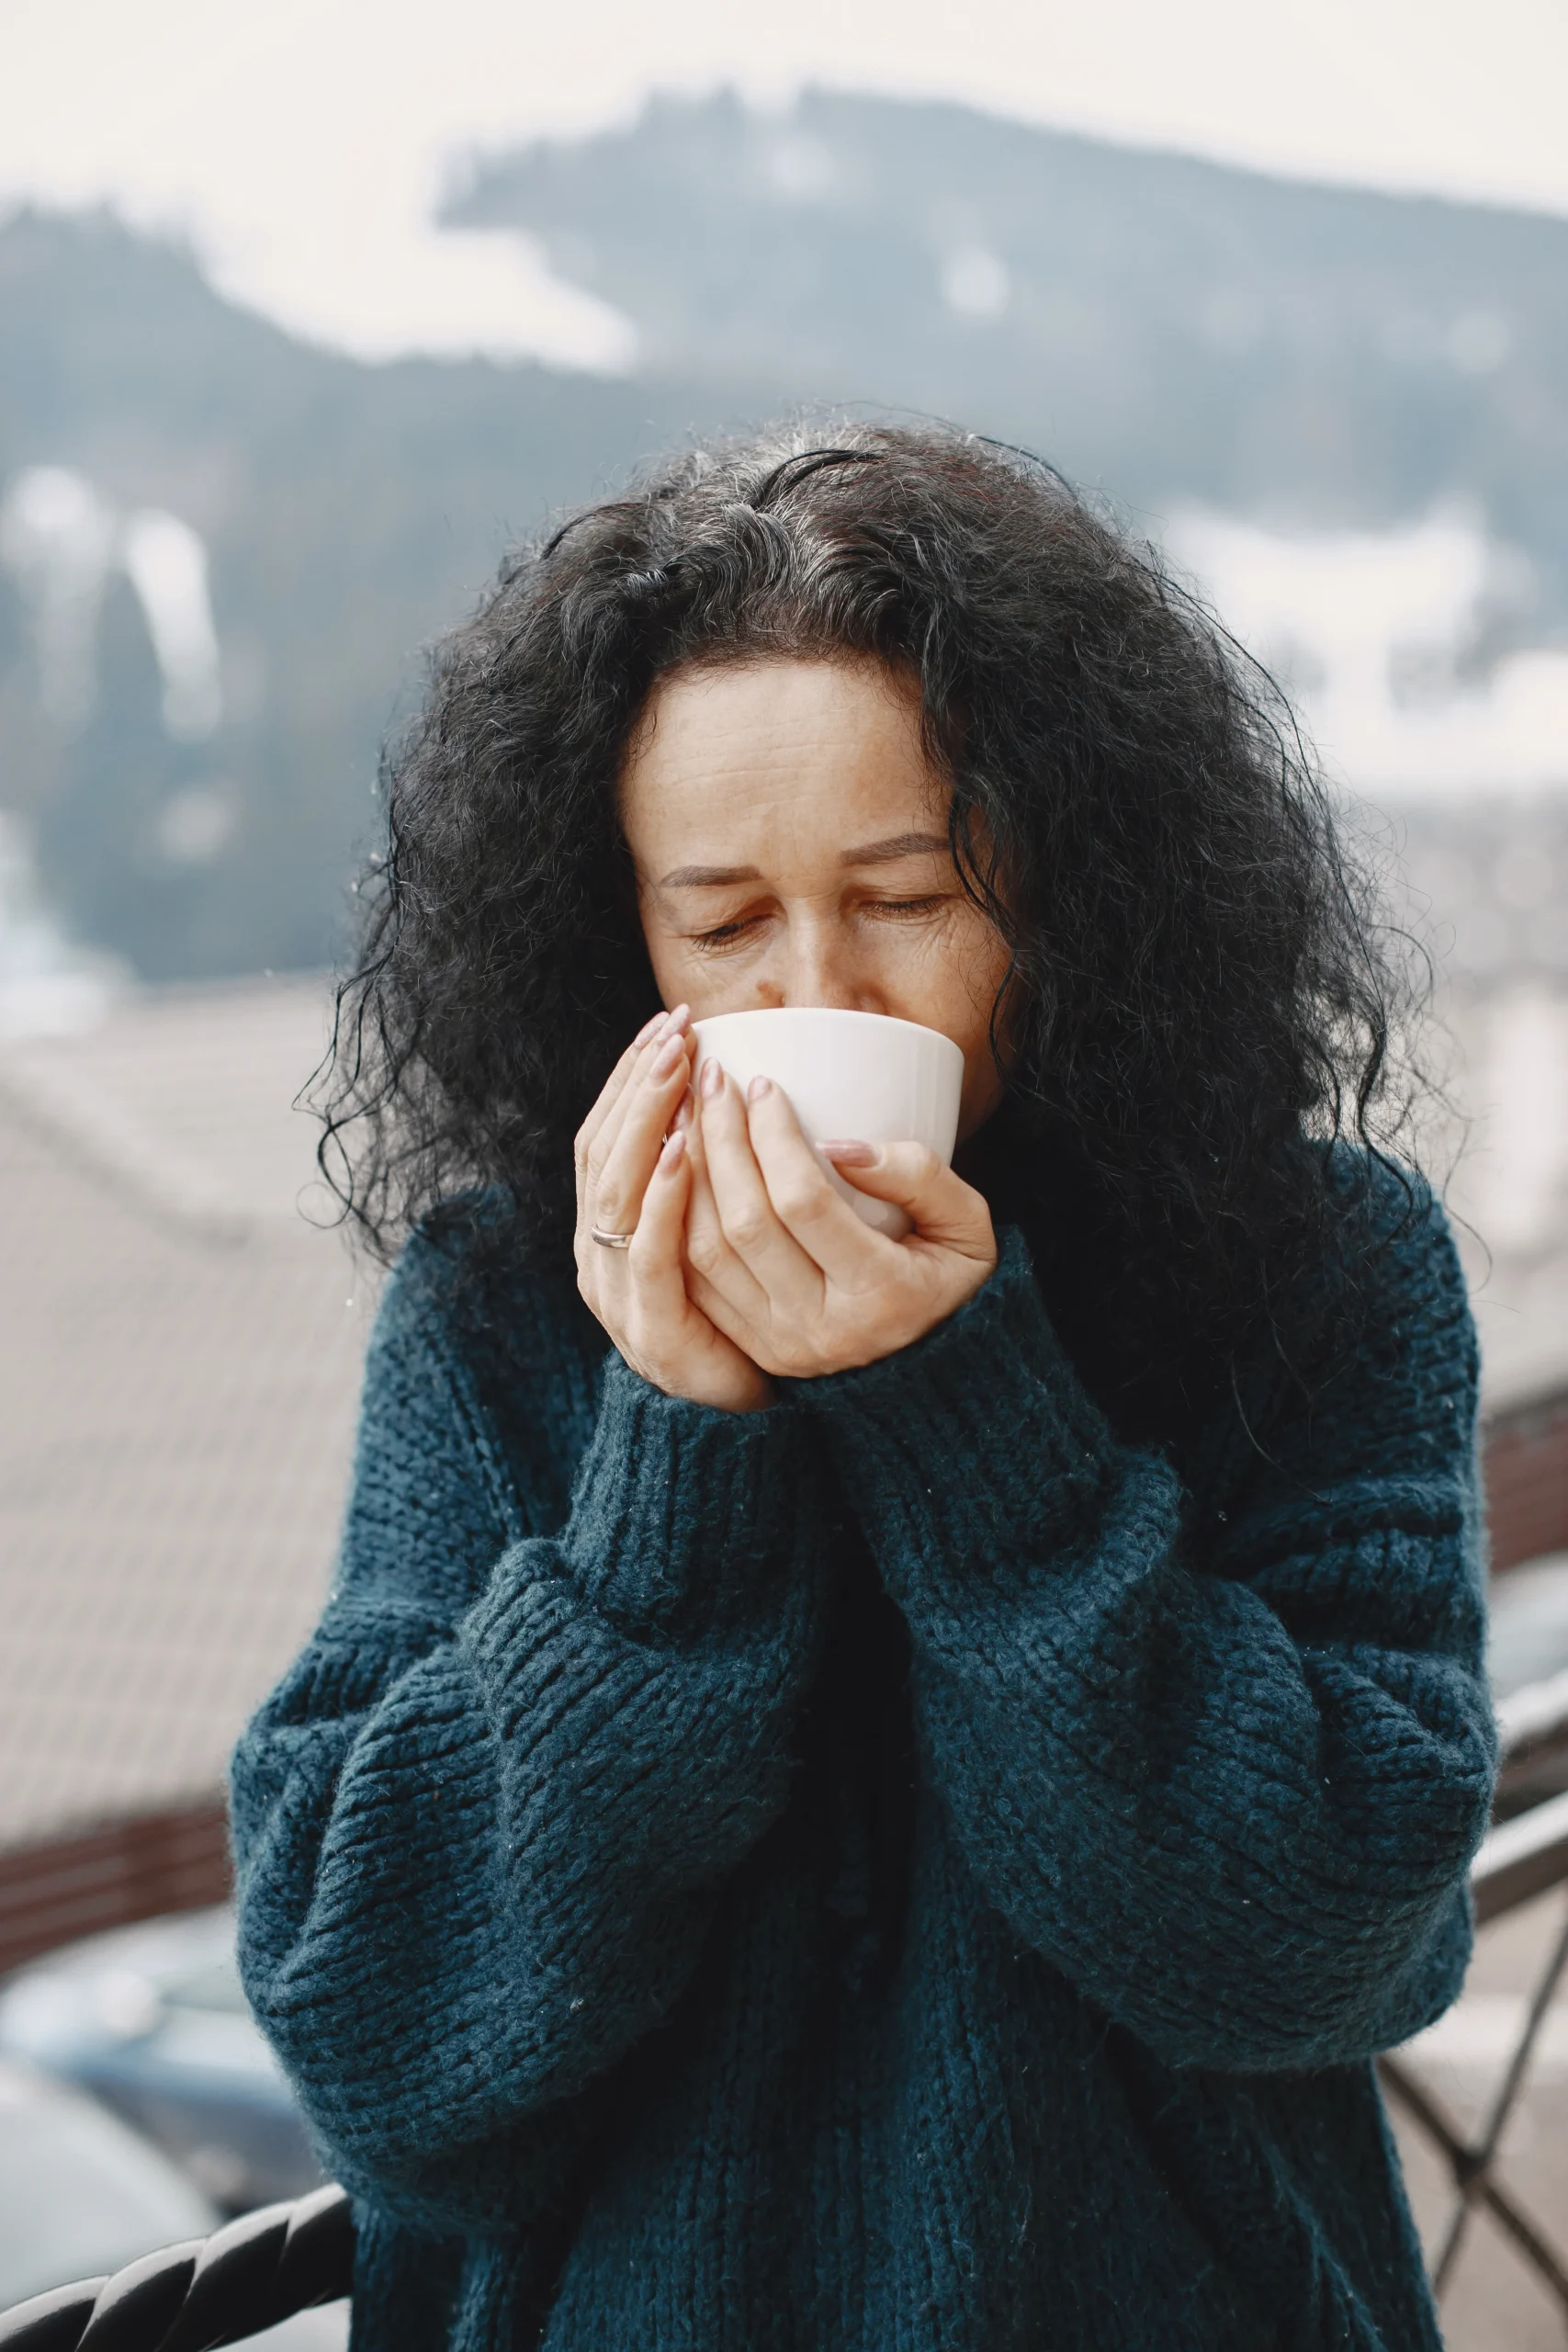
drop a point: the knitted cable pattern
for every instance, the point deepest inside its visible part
(903, 1872)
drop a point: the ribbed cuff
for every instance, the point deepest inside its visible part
(683, 1516)
(975, 1448)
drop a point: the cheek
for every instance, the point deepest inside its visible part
(683, 976)
(676, 969)
(663, 954)
(950, 982)
(965, 963)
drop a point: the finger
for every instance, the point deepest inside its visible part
(659, 1307)
(653, 1262)
(810, 1206)
(664, 1327)
(617, 1098)
(942, 1208)
(750, 1226)
(608, 1278)
(598, 1130)
(726, 1319)
(646, 1055)
(615, 1187)
(714, 1272)
(611, 1096)
(615, 1084)
(646, 1313)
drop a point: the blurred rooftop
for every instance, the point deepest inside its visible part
(177, 1391)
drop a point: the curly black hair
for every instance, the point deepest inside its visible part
(1201, 991)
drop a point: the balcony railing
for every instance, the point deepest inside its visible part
(1521, 1857)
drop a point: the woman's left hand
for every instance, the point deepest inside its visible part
(778, 1261)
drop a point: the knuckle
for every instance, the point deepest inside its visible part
(705, 1249)
(642, 1257)
(798, 1203)
(745, 1229)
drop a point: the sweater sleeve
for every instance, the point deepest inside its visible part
(1226, 1775)
(479, 1825)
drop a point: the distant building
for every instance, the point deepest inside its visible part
(179, 1358)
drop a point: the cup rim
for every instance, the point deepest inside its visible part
(830, 1012)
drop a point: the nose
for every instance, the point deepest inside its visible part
(819, 966)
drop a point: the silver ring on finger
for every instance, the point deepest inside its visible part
(612, 1241)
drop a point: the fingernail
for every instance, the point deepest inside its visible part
(650, 1028)
(850, 1155)
(683, 1113)
(674, 1145)
(712, 1079)
(670, 1052)
(681, 1016)
(758, 1088)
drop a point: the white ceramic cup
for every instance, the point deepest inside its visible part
(847, 1074)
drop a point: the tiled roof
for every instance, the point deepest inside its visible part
(179, 1360)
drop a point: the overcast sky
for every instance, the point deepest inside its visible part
(300, 143)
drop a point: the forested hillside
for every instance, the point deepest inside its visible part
(1168, 330)
(348, 513)
(1154, 323)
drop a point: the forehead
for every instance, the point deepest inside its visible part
(763, 745)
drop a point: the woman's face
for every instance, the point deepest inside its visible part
(790, 840)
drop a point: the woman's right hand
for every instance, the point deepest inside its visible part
(634, 1177)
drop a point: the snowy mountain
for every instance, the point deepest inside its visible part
(221, 551)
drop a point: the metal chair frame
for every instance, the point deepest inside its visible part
(1521, 1857)
(260, 2269)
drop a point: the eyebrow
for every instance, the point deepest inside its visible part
(883, 853)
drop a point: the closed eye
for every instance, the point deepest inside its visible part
(901, 907)
(730, 934)
(724, 934)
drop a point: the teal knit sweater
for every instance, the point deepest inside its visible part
(907, 1871)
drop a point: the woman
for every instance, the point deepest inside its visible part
(892, 1805)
